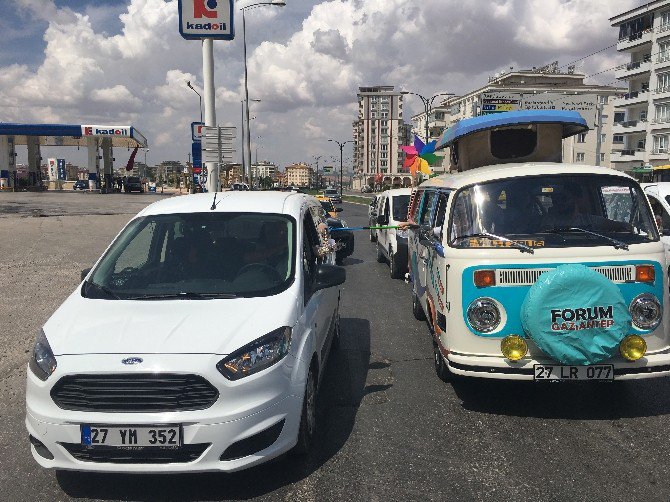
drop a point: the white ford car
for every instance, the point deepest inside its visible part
(196, 343)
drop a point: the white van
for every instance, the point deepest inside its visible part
(196, 343)
(391, 209)
(536, 270)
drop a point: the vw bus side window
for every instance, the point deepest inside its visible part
(551, 211)
(440, 212)
(426, 207)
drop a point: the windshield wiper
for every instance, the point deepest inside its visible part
(616, 242)
(183, 295)
(100, 287)
(524, 248)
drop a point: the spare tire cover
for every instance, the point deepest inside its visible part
(575, 315)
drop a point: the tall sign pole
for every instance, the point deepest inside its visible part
(207, 20)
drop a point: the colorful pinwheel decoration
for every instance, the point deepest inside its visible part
(420, 156)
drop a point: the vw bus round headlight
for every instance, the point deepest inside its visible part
(633, 347)
(513, 347)
(483, 315)
(646, 311)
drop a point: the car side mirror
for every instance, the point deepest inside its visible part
(338, 209)
(328, 276)
(85, 272)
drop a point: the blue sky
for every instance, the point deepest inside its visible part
(123, 61)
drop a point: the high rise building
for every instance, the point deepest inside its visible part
(377, 138)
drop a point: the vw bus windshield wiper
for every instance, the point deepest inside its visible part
(524, 248)
(184, 295)
(616, 242)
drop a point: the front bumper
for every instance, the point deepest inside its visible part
(242, 411)
(651, 366)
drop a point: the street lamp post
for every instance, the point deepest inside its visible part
(277, 3)
(428, 104)
(188, 83)
(317, 158)
(341, 145)
(244, 170)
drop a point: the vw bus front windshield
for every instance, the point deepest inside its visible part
(552, 211)
(197, 256)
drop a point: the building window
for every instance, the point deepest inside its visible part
(665, 21)
(660, 143)
(385, 115)
(619, 117)
(617, 138)
(581, 137)
(603, 138)
(643, 116)
(602, 157)
(580, 157)
(663, 82)
(383, 163)
(662, 112)
(663, 52)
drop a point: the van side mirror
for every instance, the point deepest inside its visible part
(84, 273)
(328, 276)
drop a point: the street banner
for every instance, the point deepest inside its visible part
(501, 101)
(200, 19)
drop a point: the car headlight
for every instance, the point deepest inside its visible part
(42, 362)
(646, 311)
(256, 356)
(484, 315)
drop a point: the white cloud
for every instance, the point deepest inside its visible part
(305, 62)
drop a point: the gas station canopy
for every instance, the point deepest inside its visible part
(73, 135)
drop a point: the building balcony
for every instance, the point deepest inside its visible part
(660, 124)
(633, 69)
(631, 98)
(629, 127)
(659, 154)
(634, 40)
(627, 156)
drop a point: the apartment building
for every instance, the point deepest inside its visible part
(299, 175)
(547, 87)
(642, 115)
(378, 133)
(263, 169)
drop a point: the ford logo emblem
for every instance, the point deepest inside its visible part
(132, 360)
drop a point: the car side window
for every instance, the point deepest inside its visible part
(426, 208)
(661, 215)
(440, 212)
(310, 259)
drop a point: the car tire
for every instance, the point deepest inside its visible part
(441, 368)
(394, 266)
(307, 430)
(380, 254)
(417, 310)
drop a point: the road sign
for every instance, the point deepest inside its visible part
(327, 169)
(200, 19)
(196, 130)
(217, 144)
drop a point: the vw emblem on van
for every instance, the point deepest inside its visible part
(132, 360)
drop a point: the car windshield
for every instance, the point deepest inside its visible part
(552, 211)
(400, 206)
(331, 192)
(197, 255)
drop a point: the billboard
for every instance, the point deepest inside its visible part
(501, 101)
(200, 19)
(327, 169)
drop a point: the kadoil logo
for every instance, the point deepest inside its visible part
(582, 318)
(205, 9)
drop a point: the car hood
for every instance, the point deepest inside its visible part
(215, 326)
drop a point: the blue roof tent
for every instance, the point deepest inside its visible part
(73, 135)
(572, 123)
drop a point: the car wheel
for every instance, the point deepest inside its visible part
(417, 310)
(394, 266)
(441, 367)
(307, 429)
(380, 254)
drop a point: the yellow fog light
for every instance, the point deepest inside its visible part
(633, 347)
(514, 347)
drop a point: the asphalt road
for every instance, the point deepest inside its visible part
(389, 428)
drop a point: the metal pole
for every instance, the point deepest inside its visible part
(246, 97)
(599, 132)
(341, 148)
(213, 184)
(244, 170)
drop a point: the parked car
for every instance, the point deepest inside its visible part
(333, 194)
(200, 340)
(80, 185)
(366, 189)
(344, 237)
(392, 243)
(133, 184)
(328, 206)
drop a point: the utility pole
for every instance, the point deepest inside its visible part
(599, 132)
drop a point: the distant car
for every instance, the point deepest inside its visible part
(239, 186)
(366, 189)
(333, 194)
(328, 206)
(80, 185)
(133, 184)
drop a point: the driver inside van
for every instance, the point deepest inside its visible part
(273, 247)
